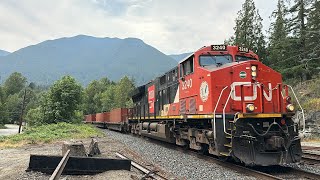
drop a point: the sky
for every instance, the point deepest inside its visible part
(172, 26)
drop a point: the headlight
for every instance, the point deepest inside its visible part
(250, 107)
(290, 107)
(254, 74)
(253, 68)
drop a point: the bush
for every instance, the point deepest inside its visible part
(312, 104)
(34, 117)
(2, 126)
(78, 117)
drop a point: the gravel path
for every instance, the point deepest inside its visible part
(182, 165)
(11, 129)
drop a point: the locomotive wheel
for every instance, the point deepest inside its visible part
(205, 149)
(224, 158)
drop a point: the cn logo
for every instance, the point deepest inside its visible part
(266, 93)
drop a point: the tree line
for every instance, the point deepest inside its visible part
(65, 101)
(292, 45)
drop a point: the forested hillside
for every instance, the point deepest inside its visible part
(292, 45)
(87, 58)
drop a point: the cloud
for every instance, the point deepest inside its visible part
(170, 26)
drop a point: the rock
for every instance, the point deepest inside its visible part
(93, 148)
(76, 148)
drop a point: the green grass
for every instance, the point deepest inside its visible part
(2, 126)
(49, 133)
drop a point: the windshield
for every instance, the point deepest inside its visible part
(218, 60)
(244, 58)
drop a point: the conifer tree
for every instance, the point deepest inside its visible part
(297, 28)
(313, 39)
(248, 29)
(278, 40)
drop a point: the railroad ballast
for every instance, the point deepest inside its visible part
(221, 100)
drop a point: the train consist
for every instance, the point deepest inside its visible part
(221, 100)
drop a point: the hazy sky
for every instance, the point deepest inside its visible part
(172, 26)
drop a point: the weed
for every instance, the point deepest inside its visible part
(48, 133)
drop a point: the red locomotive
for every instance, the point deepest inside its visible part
(221, 100)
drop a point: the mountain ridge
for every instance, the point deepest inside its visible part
(179, 57)
(87, 58)
(4, 53)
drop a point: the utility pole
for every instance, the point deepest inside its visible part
(22, 109)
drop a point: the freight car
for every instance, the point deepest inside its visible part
(221, 100)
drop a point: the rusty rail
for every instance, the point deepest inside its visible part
(310, 157)
(143, 169)
(58, 171)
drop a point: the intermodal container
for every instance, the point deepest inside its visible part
(118, 115)
(90, 117)
(103, 117)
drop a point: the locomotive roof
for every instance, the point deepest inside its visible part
(186, 58)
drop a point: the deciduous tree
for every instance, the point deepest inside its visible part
(63, 99)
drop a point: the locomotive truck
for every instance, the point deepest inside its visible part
(220, 100)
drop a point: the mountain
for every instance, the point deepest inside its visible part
(4, 53)
(87, 58)
(179, 57)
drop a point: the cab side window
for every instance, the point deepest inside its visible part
(187, 66)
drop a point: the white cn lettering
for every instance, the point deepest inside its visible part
(255, 94)
(268, 98)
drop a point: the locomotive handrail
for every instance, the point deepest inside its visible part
(214, 112)
(224, 112)
(302, 111)
(227, 101)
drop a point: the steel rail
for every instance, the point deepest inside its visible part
(256, 173)
(305, 174)
(235, 167)
(311, 157)
(143, 169)
(59, 169)
(213, 159)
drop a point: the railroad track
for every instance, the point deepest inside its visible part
(238, 168)
(311, 158)
(271, 172)
(148, 173)
(212, 159)
(310, 148)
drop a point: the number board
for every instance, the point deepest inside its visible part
(218, 47)
(243, 49)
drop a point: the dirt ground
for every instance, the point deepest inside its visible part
(14, 162)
